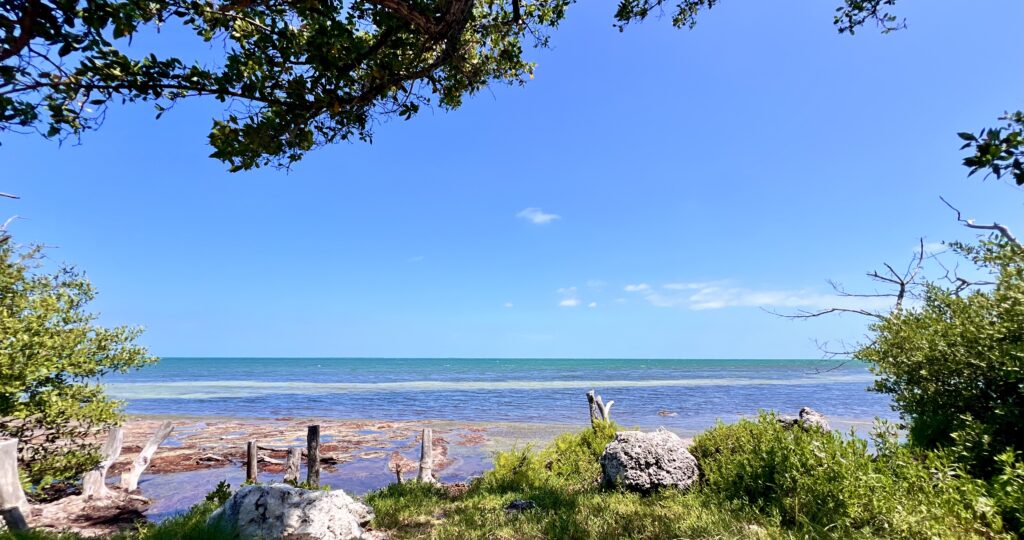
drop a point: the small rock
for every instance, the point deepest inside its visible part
(520, 505)
(663, 412)
(645, 462)
(808, 419)
(811, 418)
(280, 512)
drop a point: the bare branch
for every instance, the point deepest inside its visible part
(806, 314)
(1001, 229)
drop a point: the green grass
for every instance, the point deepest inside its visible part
(759, 480)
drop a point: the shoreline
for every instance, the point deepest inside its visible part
(361, 454)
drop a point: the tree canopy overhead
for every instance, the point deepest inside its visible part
(293, 74)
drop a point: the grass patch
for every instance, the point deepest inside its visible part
(759, 480)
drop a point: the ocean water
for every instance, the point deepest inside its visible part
(684, 395)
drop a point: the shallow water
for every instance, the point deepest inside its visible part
(174, 493)
(498, 390)
(532, 398)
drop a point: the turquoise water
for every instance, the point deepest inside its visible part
(499, 390)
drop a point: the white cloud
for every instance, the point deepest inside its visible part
(932, 247)
(596, 284)
(723, 294)
(569, 298)
(637, 288)
(416, 259)
(592, 305)
(537, 216)
(509, 304)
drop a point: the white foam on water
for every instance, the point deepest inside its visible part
(241, 388)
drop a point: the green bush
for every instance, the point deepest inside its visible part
(954, 365)
(51, 359)
(825, 485)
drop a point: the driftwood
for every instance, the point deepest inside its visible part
(11, 494)
(130, 478)
(292, 465)
(94, 484)
(427, 457)
(599, 411)
(251, 458)
(313, 457)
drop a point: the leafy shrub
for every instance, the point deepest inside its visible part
(220, 494)
(1007, 488)
(51, 358)
(954, 366)
(822, 484)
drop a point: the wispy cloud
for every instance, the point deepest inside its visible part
(592, 305)
(723, 294)
(537, 216)
(509, 305)
(416, 259)
(569, 297)
(639, 287)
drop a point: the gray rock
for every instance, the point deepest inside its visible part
(645, 462)
(520, 505)
(284, 512)
(810, 418)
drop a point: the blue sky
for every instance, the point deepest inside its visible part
(645, 196)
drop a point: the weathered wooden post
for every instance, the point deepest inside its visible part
(292, 466)
(130, 478)
(313, 457)
(251, 462)
(94, 483)
(13, 504)
(427, 457)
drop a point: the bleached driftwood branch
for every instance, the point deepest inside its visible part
(130, 478)
(94, 484)
(13, 503)
(599, 411)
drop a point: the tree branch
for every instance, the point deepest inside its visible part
(970, 224)
(28, 18)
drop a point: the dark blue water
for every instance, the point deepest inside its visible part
(499, 390)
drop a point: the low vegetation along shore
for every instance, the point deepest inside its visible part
(761, 478)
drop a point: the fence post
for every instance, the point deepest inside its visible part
(251, 462)
(427, 457)
(313, 457)
(292, 466)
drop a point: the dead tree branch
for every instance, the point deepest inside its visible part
(1000, 228)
